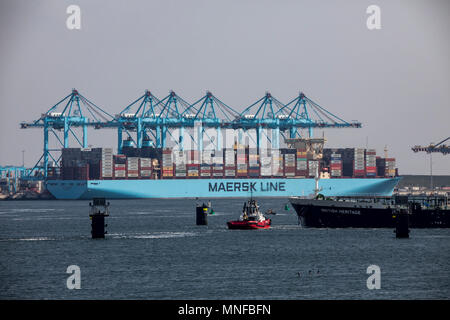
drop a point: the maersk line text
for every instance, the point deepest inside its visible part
(246, 186)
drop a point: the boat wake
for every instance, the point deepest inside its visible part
(29, 239)
(156, 235)
(34, 210)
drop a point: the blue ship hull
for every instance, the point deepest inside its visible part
(217, 188)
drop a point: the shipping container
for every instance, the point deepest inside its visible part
(229, 156)
(217, 160)
(206, 157)
(313, 167)
(230, 173)
(146, 173)
(217, 174)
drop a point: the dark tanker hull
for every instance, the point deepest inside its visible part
(333, 214)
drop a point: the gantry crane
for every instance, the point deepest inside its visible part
(73, 111)
(10, 176)
(299, 113)
(149, 117)
(430, 149)
(158, 117)
(438, 147)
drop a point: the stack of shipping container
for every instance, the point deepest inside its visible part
(217, 169)
(145, 166)
(106, 164)
(359, 166)
(205, 166)
(179, 159)
(193, 163)
(89, 165)
(277, 163)
(289, 162)
(359, 163)
(69, 159)
(390, 166)
(120, 164)
(313, 168)
(265, 160)
(230, 163)
(239, 162)
(336, 165)
(253, 163)
(301, 163)
(81, 172)
(86, 163)
(347, 158)
(132, 167)
(167, 164)
(386, 167)
(371, 163)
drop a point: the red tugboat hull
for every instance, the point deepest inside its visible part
(249, 225)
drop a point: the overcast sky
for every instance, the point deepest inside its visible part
(396, 80)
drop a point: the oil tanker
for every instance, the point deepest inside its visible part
(351, 212)
(236, 172)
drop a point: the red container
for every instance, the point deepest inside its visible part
(301, 173)
(133, 174)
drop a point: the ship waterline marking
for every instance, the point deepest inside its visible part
(246, 186)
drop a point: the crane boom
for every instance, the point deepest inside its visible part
(442, 141)
(439, 147)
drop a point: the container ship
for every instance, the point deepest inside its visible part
(236, 172)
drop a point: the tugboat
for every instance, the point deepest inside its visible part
(251, 218)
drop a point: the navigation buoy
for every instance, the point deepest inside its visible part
(99, 210)
(402, 224)
(202, 215)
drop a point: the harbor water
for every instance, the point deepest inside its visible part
(155, 250)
